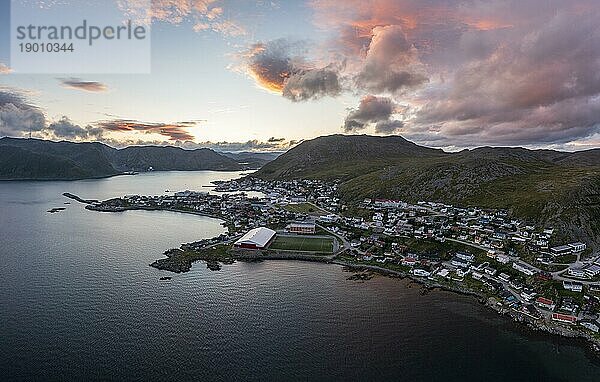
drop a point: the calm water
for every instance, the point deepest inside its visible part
(79, 301)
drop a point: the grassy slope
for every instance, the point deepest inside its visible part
(545, 187)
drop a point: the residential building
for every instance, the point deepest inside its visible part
(561, 250)
(566, 318)
(577, 247)
(573, 286)
(524, 268)
(545, 303)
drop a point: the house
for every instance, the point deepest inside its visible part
(573, 286)
(516, 284)
(528, 294)
(257, 238)
(461, 263)
(569, 306)
(577, 272)
(409, 261)
(545, 303)
(592, 270)
(465, 256)
(566, 318)
(328, 218)
(577, 247)
(561, 250)
(421, 272)
(524, 268)
(504, 277)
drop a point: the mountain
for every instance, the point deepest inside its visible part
(252, 160)
(545, 187)
(40, 159)
(343, 156)
(168, 158)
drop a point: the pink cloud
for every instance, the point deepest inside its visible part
(206, 14)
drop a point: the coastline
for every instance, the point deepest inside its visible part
(61, 179)
(593, 344)
(125, 173)
(522, 322)
(181, 260)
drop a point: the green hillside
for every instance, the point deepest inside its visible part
(542, 186)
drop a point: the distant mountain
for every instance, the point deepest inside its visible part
(40, 159)
(252, 160)
(168, 158)
(546, 187)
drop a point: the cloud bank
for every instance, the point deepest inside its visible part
(18, 115)
(469, 72)
(204, 14)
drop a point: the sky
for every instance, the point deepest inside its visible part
(265, 75)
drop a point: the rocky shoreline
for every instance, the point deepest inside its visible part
(538, 325)
(178, 261)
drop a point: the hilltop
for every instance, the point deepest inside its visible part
(547, 187)
(41, 159)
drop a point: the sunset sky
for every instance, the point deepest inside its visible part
(267, 74)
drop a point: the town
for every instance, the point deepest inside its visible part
(520, 269)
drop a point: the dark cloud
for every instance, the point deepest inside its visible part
(88, 86)
(373, 110)
(17, 115)
(280, 66)
(388, 127)
(313, 84)
(66, 129)
(275, 140)
(174, 131)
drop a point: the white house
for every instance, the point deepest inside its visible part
(577, 247)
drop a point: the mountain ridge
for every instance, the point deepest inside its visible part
(36, 159)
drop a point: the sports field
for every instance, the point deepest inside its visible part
(305, 208)
(303, 244)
